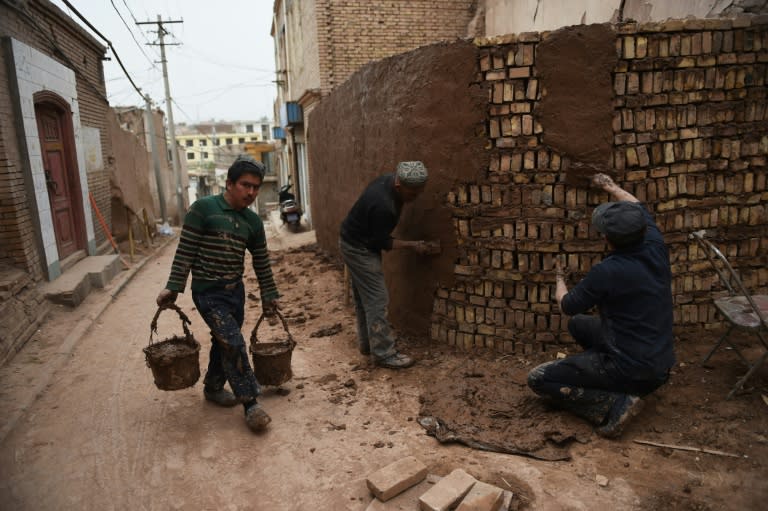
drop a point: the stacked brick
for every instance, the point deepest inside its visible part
(690, 140)
(352, 33)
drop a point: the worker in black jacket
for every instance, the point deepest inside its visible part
(628, 348)
(365, 233)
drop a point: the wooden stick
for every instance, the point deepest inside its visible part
(130, 231)
(146, 227)
(694, 449)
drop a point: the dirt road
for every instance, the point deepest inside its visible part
(101, 436)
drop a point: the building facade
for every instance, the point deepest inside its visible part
(210, 148)
(54, 164)
(321, 43)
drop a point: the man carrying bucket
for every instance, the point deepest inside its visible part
(217, 230)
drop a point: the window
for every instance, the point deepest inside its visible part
(265, 131)
(254, 139)
(203, 142)
(204, 156)
(241, 140)
(190, 156)
(249, 128)
(188, 143)
(215, 141)
(228, 141)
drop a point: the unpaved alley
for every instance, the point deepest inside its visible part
(101, 436)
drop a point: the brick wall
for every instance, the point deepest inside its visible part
(677, 116)
(17, 228)
(354, 32)
(690, 138)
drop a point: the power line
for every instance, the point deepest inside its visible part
(132, 35)
(217, 61)
(109, 43)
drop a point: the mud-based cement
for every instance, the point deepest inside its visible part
(422, 105)
(574, 66)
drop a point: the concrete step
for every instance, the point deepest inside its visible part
(78, 281)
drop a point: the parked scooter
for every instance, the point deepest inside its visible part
(290, 211)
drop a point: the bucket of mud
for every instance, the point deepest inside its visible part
(174, 361)
(272, 360)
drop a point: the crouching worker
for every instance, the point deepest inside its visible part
(628, 348)
(217, 230)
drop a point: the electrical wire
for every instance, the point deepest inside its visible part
(57, 50)
(132, 35)
(109, 43)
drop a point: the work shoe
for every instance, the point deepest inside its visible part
(256, 418)
(622, 410)
(396, 361)
(221, 397)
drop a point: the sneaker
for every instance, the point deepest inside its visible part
(221, 397)
(396, 361)
(256, 418)
(364, 350)
(622, 410)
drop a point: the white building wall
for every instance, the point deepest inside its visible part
(515, 16)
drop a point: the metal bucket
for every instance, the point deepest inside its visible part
(175, 362)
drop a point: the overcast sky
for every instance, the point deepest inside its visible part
(223, 70)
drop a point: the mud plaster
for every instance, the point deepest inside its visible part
(421, 105)
(575, 66)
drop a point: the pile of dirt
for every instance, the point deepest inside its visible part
(484, 403)
(481, 400)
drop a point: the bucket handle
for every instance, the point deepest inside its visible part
(255, 338)
(184, 322)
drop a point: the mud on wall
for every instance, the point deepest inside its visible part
(422, 105)
(129, 180)
(677, 114)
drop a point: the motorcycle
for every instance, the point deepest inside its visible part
(290, 211)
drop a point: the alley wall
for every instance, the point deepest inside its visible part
(45, 28)
(674, 111)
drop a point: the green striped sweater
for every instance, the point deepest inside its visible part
(212, 246)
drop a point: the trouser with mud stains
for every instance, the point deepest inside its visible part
(587, 384)
(374, 332)
(223, 310)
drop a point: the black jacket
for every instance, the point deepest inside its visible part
(374, 216)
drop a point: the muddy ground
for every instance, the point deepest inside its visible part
(101, 436)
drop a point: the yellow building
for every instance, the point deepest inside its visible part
(204, 144)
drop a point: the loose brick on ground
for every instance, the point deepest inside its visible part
(447, 492)
(482, 497)
(396, 477)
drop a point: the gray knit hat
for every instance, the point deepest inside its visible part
(622, 222)
(412, 173)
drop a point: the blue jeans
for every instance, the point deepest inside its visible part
(222, 309)
(374, 332)
(587, 384)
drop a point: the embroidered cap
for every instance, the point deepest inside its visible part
(412, 173)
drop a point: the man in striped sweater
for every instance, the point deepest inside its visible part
(217, 231)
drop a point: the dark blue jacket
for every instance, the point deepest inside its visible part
(374, 216)
(632, 289)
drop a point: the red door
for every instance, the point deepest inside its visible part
(60, 176)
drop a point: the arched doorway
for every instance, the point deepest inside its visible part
(57, 146)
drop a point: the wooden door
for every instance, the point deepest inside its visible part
(60, 176)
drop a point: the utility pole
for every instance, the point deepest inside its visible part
(171, 126)
(155, 159)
